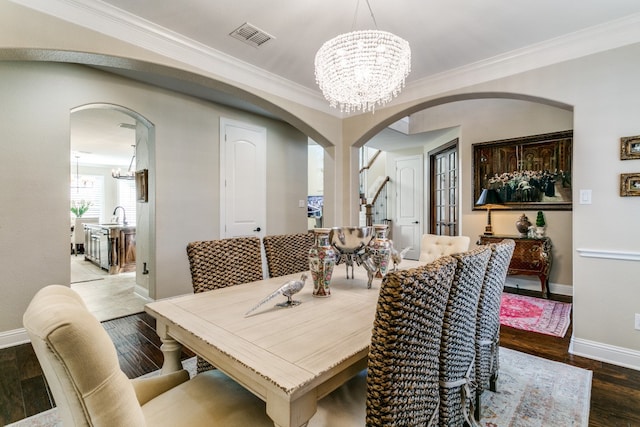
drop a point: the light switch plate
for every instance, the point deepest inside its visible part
(585, 197)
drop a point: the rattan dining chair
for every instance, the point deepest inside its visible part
(216, 264)
(488, 320)
(402, 377)
(457, 348)
(287, 253)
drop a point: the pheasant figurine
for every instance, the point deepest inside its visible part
(289, 289)
(397, 257)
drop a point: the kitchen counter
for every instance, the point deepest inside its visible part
(111, 247)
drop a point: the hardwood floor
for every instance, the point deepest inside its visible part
(615, 392)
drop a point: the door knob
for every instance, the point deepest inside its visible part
(257, 229)
(416, 222)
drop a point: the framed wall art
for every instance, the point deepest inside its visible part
(532, 172)
(630, 184)
(142, 185)
(630, 147)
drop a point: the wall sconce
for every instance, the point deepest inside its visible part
(490, 199)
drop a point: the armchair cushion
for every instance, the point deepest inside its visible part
(151, 387)
(210, 398)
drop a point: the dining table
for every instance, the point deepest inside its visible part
(290, 357)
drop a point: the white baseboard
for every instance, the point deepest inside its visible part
(614, 355)
(142, 292)
(534, 285)
(14, 337)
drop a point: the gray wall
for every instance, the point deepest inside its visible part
(34, 205)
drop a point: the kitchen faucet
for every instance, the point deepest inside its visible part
(124, 214)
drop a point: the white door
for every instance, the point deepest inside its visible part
(407, 230)
(243, 192)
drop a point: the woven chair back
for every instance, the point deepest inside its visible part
(488, 324)
(287, 253)
(457, 348)
(216, 264)
(402, 380)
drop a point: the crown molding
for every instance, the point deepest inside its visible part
(113, 22)
(592, 40)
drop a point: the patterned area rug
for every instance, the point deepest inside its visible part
(535, 314)
(535, 392)
(532, 392)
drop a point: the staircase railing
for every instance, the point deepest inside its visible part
(371, 161)
(376, 211)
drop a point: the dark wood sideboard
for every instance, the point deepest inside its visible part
(531, 257)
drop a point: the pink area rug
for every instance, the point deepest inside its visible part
(535, 314)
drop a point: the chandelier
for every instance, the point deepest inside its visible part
(361, 69)
(130, 173)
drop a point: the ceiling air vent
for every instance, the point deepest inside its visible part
(251, 35)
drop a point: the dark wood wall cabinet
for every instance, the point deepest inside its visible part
(531, 257)
(111, 247)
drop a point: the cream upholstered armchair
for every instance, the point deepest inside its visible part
(80, 363)
(433, 246)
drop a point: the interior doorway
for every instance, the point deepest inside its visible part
(108, 144)
(243, 180)
(409, 200)
(445, 203)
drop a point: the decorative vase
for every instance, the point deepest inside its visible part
(380, 249)
(322, 258)
(539, 232)
(523, 225)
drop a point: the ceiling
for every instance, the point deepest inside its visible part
(98, 139)
(444, 35)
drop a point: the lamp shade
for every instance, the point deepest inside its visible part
(489, 196)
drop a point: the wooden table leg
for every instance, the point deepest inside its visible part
(291, 414)
(171, 349)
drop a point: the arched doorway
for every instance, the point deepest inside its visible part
(114, 269)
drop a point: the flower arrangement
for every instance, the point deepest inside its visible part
(78, 208)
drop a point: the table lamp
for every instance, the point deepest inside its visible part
(490, 199)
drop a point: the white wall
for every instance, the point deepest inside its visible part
(34, 203)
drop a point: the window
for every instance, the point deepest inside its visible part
(127, 198)
(89, 188)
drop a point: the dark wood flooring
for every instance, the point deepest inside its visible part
(615, 392)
